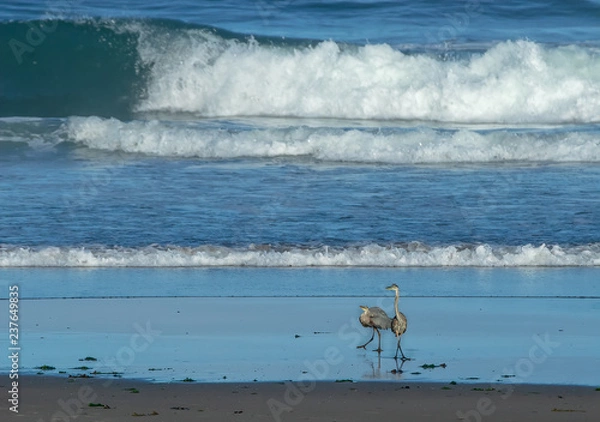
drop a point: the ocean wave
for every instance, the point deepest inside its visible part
(122, 67)
(363, 145)
(58, 67)
(512, 82)
(408, 255)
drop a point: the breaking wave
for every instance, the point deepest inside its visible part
(124, 67)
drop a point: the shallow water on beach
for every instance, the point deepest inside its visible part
(482, 340)
(47, 283)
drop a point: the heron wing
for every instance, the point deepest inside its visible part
(379, 318)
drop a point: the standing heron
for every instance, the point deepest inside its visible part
(377, 319)
(399, 323)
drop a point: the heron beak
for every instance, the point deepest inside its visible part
(389, 288)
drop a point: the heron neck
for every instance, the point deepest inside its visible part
(396, 305)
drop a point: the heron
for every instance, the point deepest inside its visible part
(377, 319)
(399, 322)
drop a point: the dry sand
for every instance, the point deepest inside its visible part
(44, 398)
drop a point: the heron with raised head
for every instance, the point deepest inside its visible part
(377, 319)
(399, 322)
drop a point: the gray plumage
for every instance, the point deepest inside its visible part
(399, 323)
(377, 319)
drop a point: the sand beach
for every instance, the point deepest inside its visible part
(57, 399)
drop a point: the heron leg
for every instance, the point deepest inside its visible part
(399, 368)
(400, 348)
(364, 346)
(378, 334)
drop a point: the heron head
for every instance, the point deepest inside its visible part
(393, 287)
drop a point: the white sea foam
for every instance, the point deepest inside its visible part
(411, 255)
(511, 82)
(393, 145)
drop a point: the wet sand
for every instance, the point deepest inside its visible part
(46, 398)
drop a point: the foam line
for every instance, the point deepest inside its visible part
(393, 145)
(373, 255)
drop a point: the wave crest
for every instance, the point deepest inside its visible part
(512, 82)
(121, 68)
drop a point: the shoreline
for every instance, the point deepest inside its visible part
(55, 398)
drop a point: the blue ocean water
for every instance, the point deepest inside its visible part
(300, 133)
